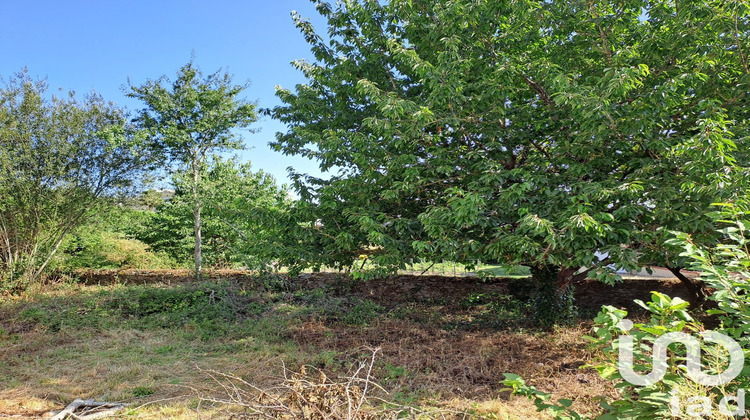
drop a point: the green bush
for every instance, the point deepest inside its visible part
(111, 250)
(724, 268)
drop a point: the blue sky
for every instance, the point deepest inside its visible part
(88, 45)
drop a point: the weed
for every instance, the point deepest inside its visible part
(162, 350)
(405, 398)
(362, 313)
(326, 358)
(395, 372)
(414, 312)
(274, 282)
(142, 391)
(474, 299)
(509, 307)
(323, 305)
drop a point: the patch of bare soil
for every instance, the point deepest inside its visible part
(590, 294)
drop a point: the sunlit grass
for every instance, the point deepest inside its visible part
(148, 345)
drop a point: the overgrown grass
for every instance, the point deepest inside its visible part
(142, 343)
(206, 310)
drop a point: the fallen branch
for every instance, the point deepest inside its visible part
(88, 410)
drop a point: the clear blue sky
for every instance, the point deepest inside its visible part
(97, 45)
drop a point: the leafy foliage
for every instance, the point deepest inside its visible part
(59, 157)
(538, 133)
(190, 119)
(560, 409)
(108, 240)
(99, 249)
(725, 269)
(237, 204)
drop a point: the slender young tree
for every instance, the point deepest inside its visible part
(191, 118)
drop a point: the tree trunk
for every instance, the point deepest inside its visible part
(553, 299)
(697, 294)
(197, 218)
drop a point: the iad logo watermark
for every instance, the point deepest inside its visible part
(693, 347)
(700, 405)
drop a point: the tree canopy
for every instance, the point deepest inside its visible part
(538, 133)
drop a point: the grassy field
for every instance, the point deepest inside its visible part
(172, 349)
(448, 268)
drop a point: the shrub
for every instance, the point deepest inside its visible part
(110, 250)
(724, 268)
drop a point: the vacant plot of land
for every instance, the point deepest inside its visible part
(157, 341)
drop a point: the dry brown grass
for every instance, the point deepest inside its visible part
(448, 365)
(438, 356)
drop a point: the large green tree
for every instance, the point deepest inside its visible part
(530, 132)
(59, 158)
(190, 119)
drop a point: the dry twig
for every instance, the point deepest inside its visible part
(311, 395)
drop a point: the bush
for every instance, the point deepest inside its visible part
(111, 250)
(725, 269)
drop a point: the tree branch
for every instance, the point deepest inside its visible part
(539, 89)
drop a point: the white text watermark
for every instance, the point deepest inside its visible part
(695, 406)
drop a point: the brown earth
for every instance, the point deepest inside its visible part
(590, 294)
